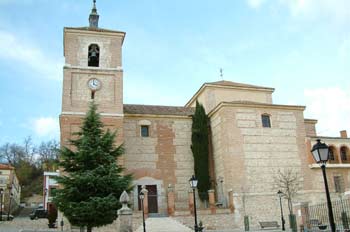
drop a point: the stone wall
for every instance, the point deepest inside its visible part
(310, 127)
(77, 95)
(211, 96)
(249, 156)
(76, 44)
(71, 123)
(164, 158)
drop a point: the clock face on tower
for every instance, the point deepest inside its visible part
(94, 84)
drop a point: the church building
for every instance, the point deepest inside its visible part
(252, 138)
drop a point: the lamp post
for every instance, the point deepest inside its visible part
(280, 194)
(1, 193)
(9, 209)
(45, 199)
(193, 183)
(142, 196)
(320, 152)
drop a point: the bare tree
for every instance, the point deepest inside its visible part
(5, 152)
(12, 153)
(48, 153)
(29, 149)
(288, 181)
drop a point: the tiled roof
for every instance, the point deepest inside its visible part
(6, 167)
(235, 84)
(158, 110)
(94, 29)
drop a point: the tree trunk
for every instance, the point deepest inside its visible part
(88, 229)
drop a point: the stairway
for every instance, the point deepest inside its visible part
(164, 224)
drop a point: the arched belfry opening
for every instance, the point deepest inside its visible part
(94, 55)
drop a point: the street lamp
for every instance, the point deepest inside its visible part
(45, 199)
(280, 194)
(193, 183)
(320, 152)
(142, 197)
(1, 193)
(9, 209)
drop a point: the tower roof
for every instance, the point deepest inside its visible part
(235, 84)
(93, 18)
(228, 85)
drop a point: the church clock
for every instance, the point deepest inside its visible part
(94, 84)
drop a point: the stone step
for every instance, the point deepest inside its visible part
(163, 224)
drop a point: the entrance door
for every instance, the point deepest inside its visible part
(152, 198)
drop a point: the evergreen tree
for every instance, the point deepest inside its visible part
(200, 150)
(92, 181)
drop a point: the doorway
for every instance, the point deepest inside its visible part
(152, 198)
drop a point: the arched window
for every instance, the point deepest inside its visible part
(331, 154)
(343, 154)
(94, 55)
(265, 119)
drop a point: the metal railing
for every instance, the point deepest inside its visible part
(317, 215)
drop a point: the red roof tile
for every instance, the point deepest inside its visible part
(158, 110)
(6, 167)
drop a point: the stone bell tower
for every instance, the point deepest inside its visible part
(92, 72)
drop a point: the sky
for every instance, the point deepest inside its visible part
(299, 47)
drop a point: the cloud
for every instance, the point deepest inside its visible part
(337, 10)
(331, 106)
(46, 127)
(255, 3)
(28, 54)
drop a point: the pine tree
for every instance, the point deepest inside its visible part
(92, 181)
(200, 150)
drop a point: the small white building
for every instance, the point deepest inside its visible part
(49, 185)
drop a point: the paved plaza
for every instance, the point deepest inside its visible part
(163, 224)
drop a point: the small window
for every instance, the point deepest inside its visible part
(338, 184)
(144, 131)
(94, 55)
(331, 154)
(343, 153)
(265, 120)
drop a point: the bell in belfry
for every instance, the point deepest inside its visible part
(93, 55)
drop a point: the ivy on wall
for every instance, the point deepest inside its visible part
(200, 150)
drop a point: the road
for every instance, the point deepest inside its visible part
(20, 224)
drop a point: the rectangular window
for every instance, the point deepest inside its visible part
(265, 120)
(145, 131)
(338, 184)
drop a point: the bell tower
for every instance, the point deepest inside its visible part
(92, 72)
